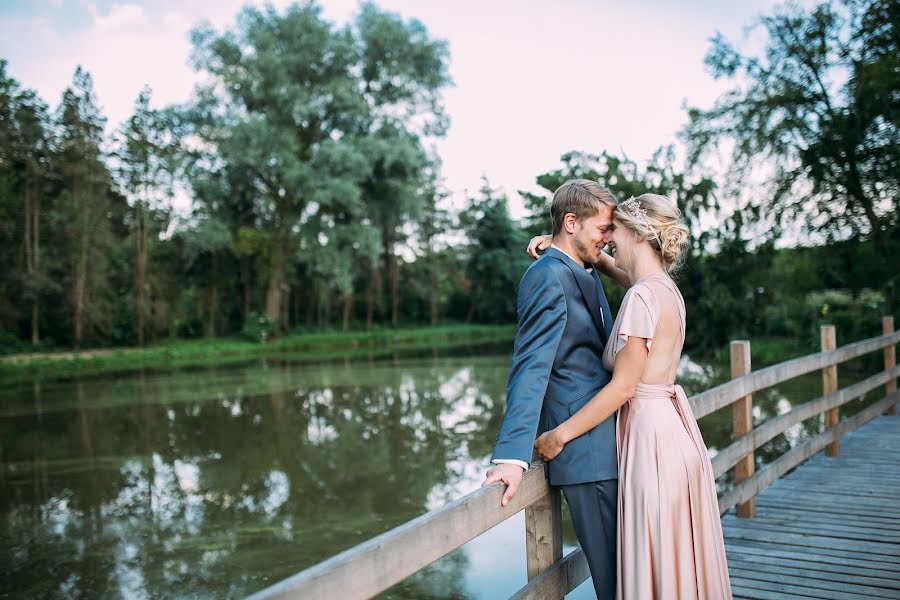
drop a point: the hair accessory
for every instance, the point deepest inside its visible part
(634, 208)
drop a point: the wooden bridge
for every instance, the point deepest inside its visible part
(828, 529)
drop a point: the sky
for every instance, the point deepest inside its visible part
(532, 79)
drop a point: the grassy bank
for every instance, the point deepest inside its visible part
(295, 347)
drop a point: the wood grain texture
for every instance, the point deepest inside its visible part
(742, 422)
(830, 386)
(723, 395)
(890, 359)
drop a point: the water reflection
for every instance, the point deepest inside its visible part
(219, 482)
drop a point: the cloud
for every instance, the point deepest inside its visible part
(121, 17)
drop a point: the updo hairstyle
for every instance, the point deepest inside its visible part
(657, 220)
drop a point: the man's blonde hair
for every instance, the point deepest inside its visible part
(581, 197)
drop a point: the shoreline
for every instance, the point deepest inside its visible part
(295, 347)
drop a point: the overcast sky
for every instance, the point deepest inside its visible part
(532, 79)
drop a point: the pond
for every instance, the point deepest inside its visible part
(217, 482)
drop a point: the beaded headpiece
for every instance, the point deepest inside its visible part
(634, 208)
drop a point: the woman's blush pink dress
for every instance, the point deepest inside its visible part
(669, 537)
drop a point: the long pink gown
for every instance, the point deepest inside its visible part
(669, 537)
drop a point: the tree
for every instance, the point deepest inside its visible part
(624, 178)
(24, 174)
(318, 119)
(496, 257)
(145, 172)
(85, 203)
(403, 72)
(284, 111)
(818, 109)
(435, 222)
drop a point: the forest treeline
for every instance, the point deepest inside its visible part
(316, 200)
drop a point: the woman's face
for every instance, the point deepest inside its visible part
(621, 243)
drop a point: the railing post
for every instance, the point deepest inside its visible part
(830, 386)
(543, 533)
(742, 423)
(890, 360)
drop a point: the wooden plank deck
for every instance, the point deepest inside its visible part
(830, 529)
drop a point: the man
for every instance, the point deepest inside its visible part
(563, 327)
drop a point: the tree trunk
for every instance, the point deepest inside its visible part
(31, 242)
(371, 295)
(275, 286)
(285, 324)
(348, 305)
(80, 275)
(248, 285)
(36, 253)
(395, 293)
(213, 307)
(434, 298)
(140, 276)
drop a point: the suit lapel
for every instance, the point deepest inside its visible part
(604, 307)
(588, 286)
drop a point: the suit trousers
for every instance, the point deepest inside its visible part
(593, 509)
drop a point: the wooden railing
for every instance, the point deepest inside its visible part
(378, 564)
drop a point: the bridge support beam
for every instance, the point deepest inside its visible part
(830, 386)
(742, 423)
(890, 360)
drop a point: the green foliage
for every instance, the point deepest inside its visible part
(496, 258)
(820, 108)
(317, 203)
(258, 328)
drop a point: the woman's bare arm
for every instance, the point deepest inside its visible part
(630, 363)
(607, 266)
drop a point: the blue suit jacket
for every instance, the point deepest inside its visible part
(557, 368)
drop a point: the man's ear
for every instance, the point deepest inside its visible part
(569, 222)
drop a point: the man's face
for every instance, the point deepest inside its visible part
(592, 234)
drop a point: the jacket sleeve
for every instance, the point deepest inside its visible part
(542, 320)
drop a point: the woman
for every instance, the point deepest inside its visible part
(669, 535)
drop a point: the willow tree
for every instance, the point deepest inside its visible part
(298, 104)
(817, 113)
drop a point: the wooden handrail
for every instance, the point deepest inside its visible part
(728, 456)
(764, 478)
(725, 394)
(378, 564)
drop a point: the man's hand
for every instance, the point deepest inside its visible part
(538, 243)
(509, 474)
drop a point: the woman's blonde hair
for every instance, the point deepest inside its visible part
(657, 220)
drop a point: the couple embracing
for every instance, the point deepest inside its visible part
(618, 434)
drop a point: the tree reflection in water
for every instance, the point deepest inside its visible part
(217, 483)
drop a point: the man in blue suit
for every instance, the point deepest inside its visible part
(564, 323)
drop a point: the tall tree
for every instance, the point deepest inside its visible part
(85, 202)
(403, 72)
(496, 257)
(24, 175)
(284, 109)
(145, 170)
(818, 111)
(435, 223)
